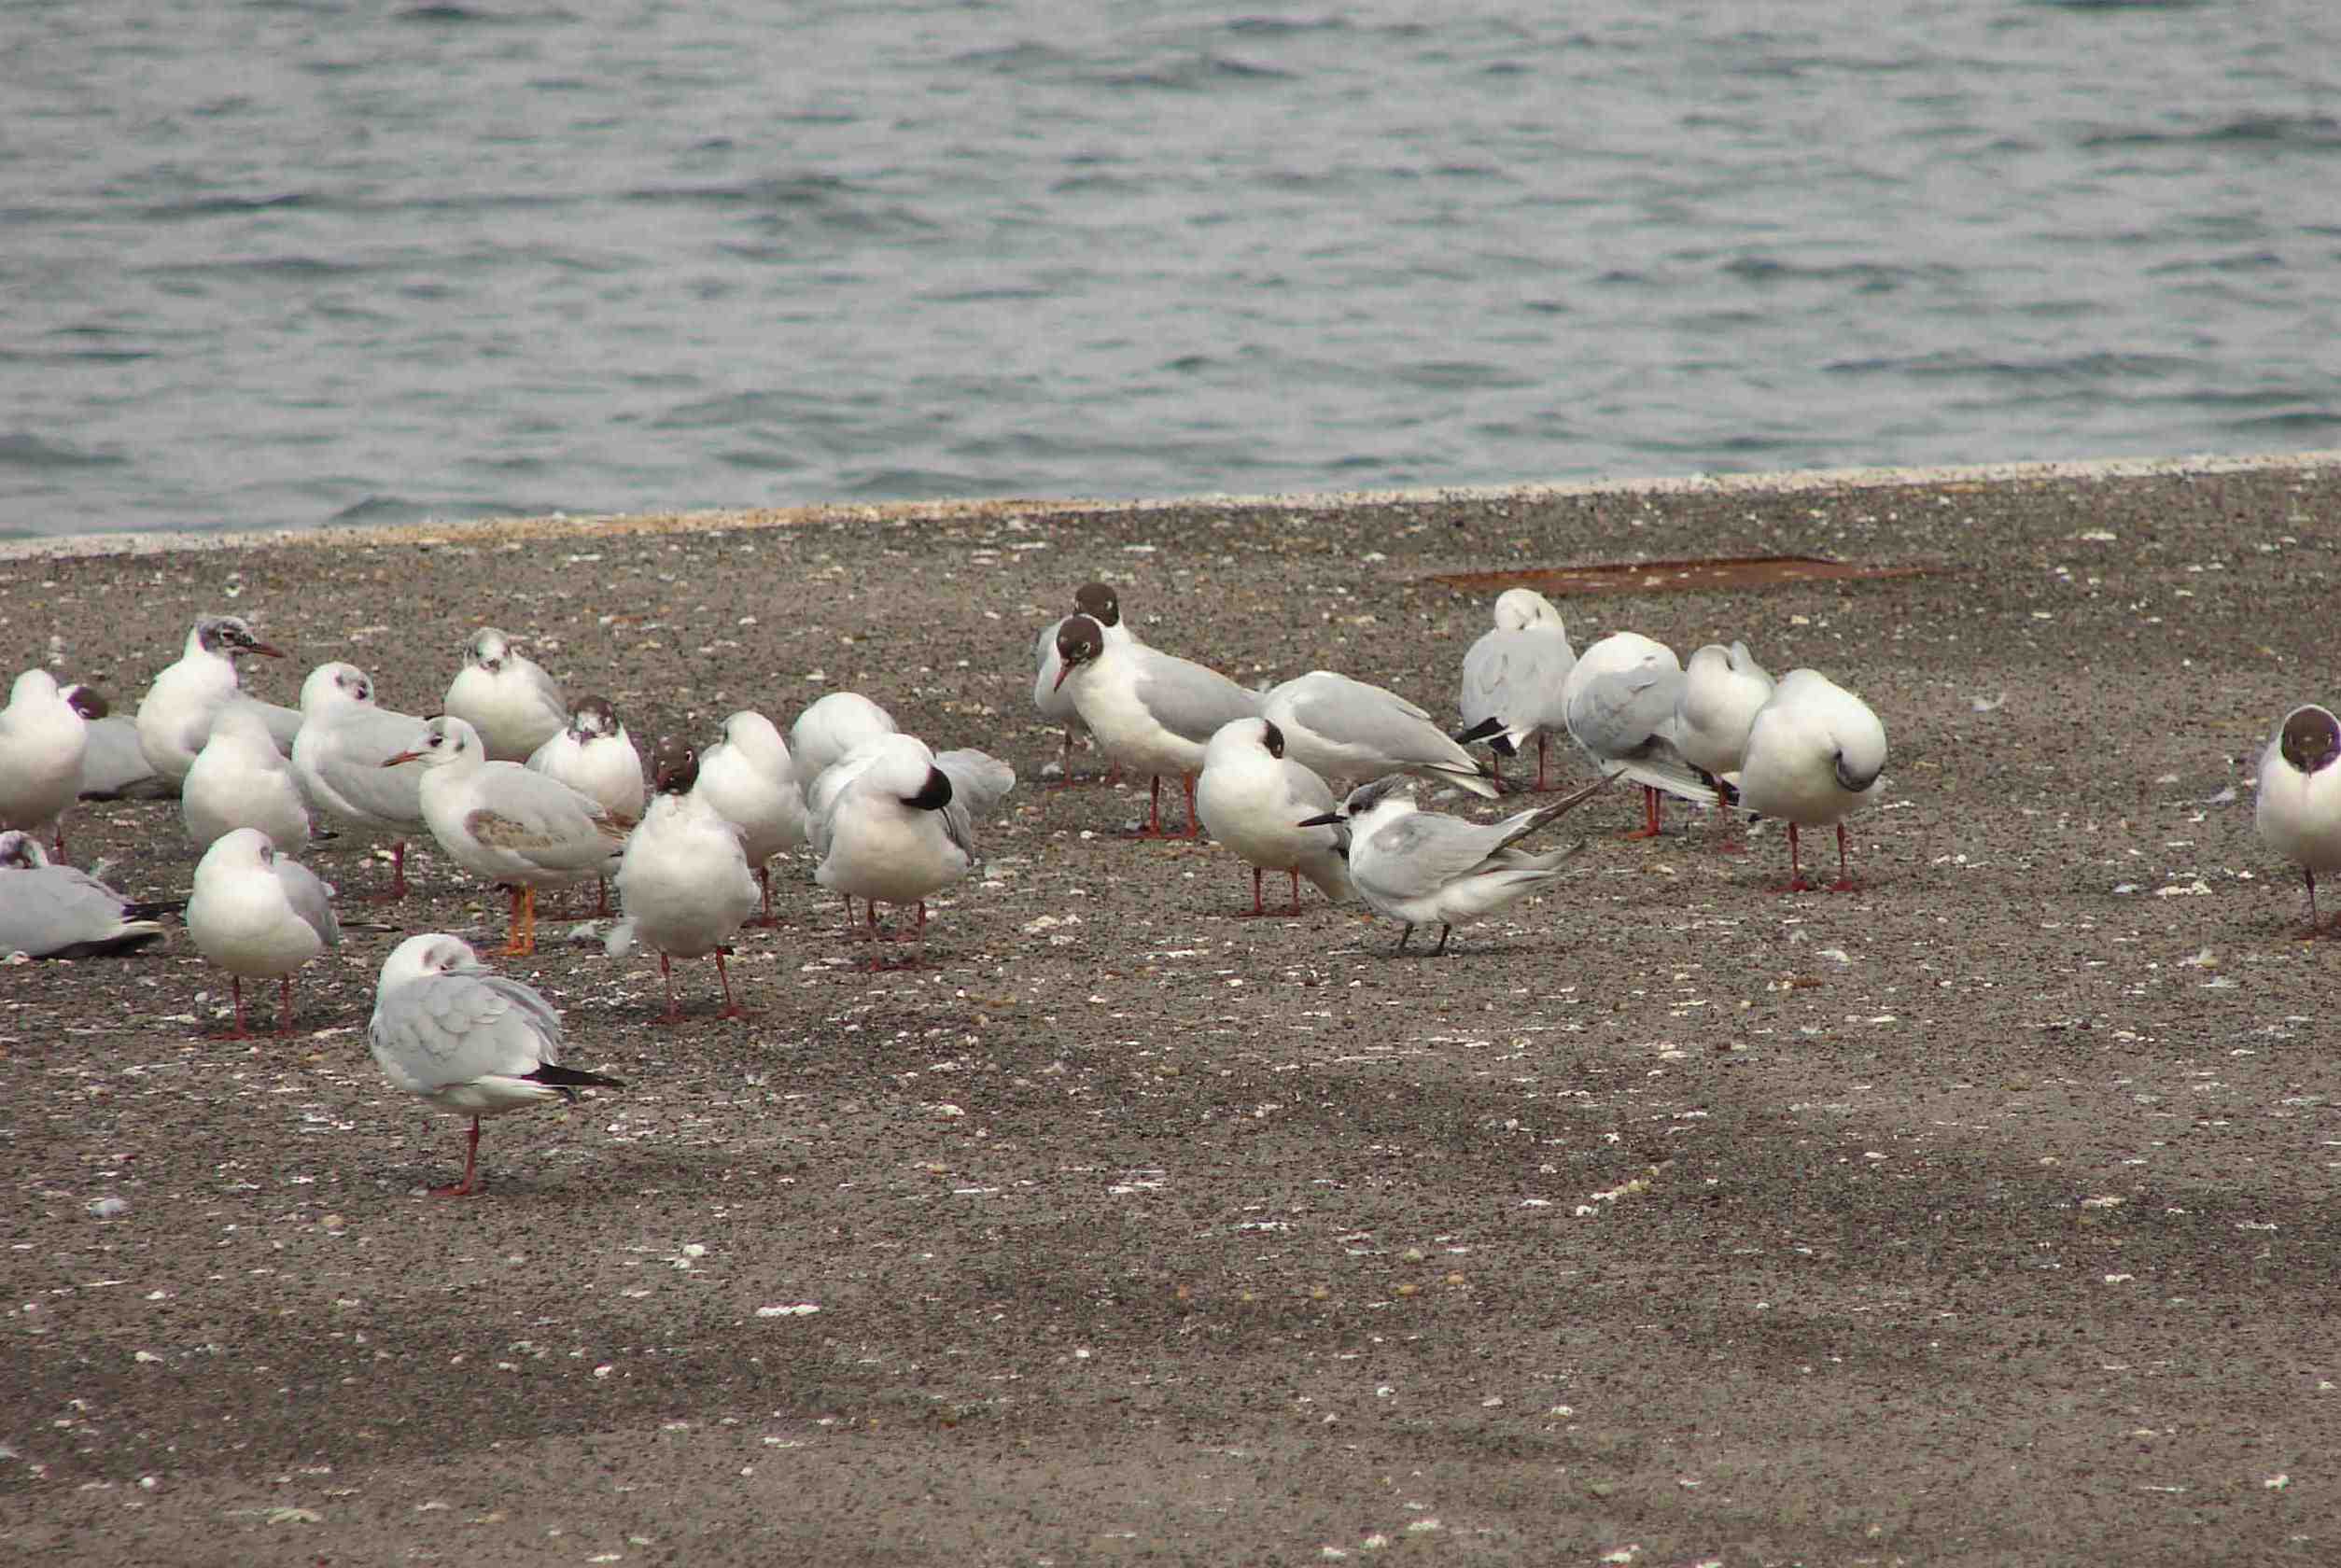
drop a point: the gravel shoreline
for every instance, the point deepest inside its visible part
(1981, 1216)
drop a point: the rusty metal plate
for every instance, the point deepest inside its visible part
(1711, 574)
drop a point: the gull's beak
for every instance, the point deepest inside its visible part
(1062, 671)
(265, 648)
(403, 757)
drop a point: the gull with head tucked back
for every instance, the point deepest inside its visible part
(1620, 699)
(468, 1039)
(1512, 678)
(1343, 729)
(894, 822)
(1815, 755)
(1418, 866)
(1723, 690)
(2298, 814)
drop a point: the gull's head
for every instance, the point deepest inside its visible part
(1079, 641)
(86, 700)
(21, 851)
(231, 634)
(1271, 739)
(336, 685)
(488, 649)
(2310, 739)
(242, 850)
(592, 719)
(1099, 602)
(431, 954)
(675, 767)
(446, 741)
(1519, 609)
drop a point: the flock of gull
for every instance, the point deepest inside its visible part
(524, 790)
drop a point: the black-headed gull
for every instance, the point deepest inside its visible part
(1252, 798)
(1815, 754)
(749, 778)
(595, 756)
(894, 822)
(114, 766)
(1151, 711)
(1620, 703)
(43, 737)
(258, 915)
(684, 878)
(338, 756)
(503, 823)
(1723, 689)
(1512, 678)
(467, 1039)
(59, 912)
(241, 780)
(1343, 729)
(176, 714)
(1100, 603)
(2298, 813)
(506, 696)
(1418, 866)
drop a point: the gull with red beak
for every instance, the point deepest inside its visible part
(1153, 712)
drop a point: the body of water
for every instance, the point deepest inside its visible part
(293, 263)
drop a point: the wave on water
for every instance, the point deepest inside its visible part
(19, 449)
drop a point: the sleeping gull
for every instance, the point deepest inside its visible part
(241, 780)
(60, 912)
(1620, 703)
(684, 879)
(1815, 754)
(1253, 798)
(1418, 866)
(1723, 688)
(1513, 674)
(468, 1039)
(260, 914)
(750, 779)
(894, 822)
(503, 823)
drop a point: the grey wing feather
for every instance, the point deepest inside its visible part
(1421, 852)
(54, 908)
(311, 899)
(1190, 700)
(1612, 714)
(454, 1029)
(1385, 722)
(978, 778)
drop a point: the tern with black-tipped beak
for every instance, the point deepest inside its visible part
(451, 1029)
(1418, 866)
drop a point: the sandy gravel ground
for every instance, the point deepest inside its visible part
(1982, 1216)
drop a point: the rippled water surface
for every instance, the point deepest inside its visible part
(297, 264)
